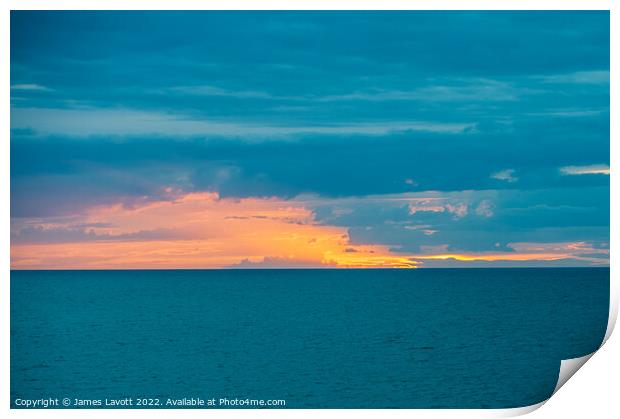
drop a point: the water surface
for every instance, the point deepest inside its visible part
(467, 338)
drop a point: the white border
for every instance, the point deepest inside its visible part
(576, 391)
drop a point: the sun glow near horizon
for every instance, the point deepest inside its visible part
(203, 230)
(200, 230)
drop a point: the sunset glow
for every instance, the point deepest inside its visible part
(201, 230)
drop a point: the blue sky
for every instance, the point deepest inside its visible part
(426, 133)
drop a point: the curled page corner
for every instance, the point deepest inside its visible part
(519, 411)
(613, 312)
(568, 368)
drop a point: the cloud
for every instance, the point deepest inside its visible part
(31, 87)
(41, 233)
(425, 207)
(579, 77)
(460, 90)
(457, 117)
(485, 208)
(206, 90)
(533, 263)
(570, 113)
(529, 252)
(88, 122)
(459, 209)
(511, 216)
(278, 263)
(506, 175)
(593, 169)
(58, 173)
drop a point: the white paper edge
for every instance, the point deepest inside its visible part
(567, 367)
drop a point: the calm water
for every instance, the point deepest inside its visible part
(315, 338)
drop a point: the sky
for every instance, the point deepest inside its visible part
(309, 139)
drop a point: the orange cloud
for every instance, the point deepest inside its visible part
(206, 232)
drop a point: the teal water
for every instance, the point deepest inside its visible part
(466, 338)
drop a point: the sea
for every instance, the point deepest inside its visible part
(313, 338)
